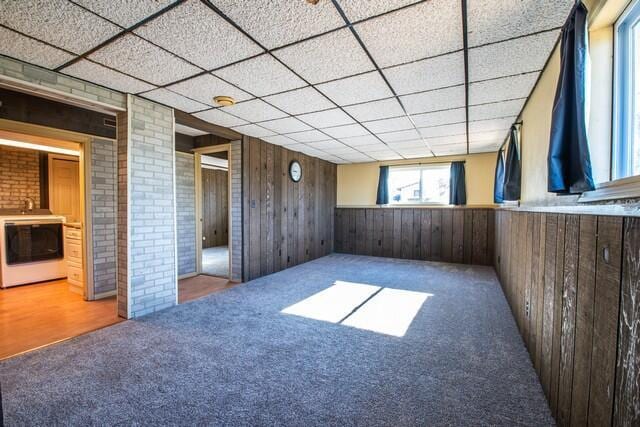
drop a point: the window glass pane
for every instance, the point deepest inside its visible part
(635, 113)
(423, 184)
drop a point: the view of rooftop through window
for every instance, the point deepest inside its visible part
(428, 184)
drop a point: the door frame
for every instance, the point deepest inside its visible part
(198, 152)
(44, 135)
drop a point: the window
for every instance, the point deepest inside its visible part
(626, 156)
(426, 184)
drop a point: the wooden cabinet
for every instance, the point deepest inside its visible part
(73, 257)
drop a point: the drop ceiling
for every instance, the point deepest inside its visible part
(344, 80)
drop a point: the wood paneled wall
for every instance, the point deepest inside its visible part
(460, 235)
(284, 223)
(215, 207)
(573, 284)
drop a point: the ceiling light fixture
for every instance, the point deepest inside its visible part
(224, 101)
(39, 147)
(313, 1)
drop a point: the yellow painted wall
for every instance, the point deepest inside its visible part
(358, 183)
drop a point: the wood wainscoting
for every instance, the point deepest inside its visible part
(459, 235)
(573, 284)
(285, 223)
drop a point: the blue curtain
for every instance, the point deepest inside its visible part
(383, 186)
(511, 189)
(569, 163)
(457, 186)
(498, 183)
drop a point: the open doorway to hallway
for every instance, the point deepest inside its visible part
(215, 214)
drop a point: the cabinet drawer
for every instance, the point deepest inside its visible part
(73, 233)
(74, 274)
(74, 250)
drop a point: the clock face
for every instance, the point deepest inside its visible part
(295, 171)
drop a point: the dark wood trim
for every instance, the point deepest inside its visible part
(185, 119)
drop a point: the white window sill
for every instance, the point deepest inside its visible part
(624, 188)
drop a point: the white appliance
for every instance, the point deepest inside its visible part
(32, 249)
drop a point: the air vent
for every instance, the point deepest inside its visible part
(110, 123)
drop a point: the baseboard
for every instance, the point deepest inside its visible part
(105, 294)
(186, 276)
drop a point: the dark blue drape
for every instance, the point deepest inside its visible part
(457, 186)
(383, 186)
(498, 183)
(511, 189)
(569, 163)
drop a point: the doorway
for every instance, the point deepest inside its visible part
(212, 205)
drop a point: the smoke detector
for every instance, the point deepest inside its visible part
(224, 101)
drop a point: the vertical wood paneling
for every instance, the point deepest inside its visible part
(425, 234)
(457, 236)
(396, 238)
(287, 223)
(605, 321)
(406, 249)
(215, 212)
(579, 275)
(436, 235)
(627, 406)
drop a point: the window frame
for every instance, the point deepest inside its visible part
(622, 154)
(419, 167)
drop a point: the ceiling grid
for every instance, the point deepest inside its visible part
(344, 80)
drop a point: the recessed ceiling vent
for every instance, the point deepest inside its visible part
(110, 123)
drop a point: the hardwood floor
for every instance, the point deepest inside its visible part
(199, 286)
(33, 316)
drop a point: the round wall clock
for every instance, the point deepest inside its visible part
(295, 171)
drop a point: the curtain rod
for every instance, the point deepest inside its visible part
(427, 163)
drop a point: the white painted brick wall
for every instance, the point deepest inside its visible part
(186, 212)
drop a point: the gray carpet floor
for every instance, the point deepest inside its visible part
(215, 261)
(232, 358)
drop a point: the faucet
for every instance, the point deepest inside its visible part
(28, 205)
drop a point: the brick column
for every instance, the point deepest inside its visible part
(147, 272)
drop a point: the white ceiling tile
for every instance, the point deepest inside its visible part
(435, 100)
(198, 34)
(98, 74)
(375, 110)
(125, 12)
(444, 130)
(275, 23)
(433, 73)
(357, 10)
(295, 147)
(255, 110)
(356, 141)
(262, 75)
(427, 29)
(174, 100)
(438, 118)
(279, 140)
(300, 101)
(219, 117)
(309, 136)
(327, 145)
(359, 157)
(407, 144)
(256, 131)
(496, 135)
(496, 109)
(310, 151)
(450, 150)
(389, 125)
(386, 155)
(352, 90)
(344, 150)
(59, 22)
(331, 56)
(28, 50)
(403, 135)
(327, 118)
(495, 20)
(346, 131)
(485, 147)
(511, 57)
(416, 154)
(205, 87)
(446, 140)
(139, 58)
(285, 125)
(374, 148)
(502, 89)
(491, 124)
